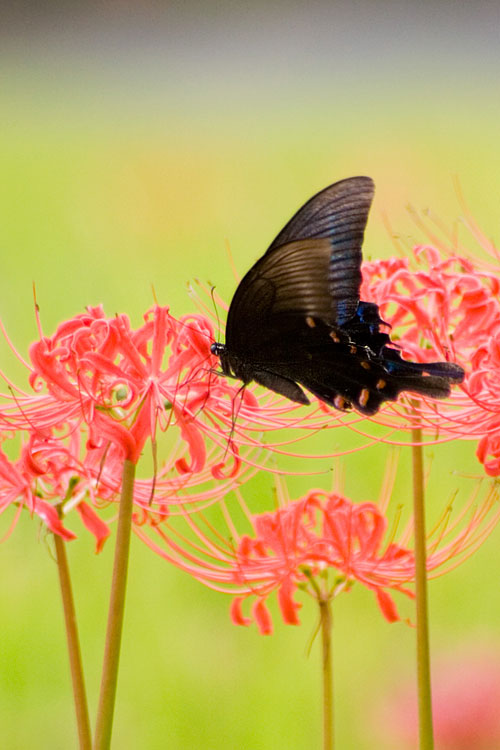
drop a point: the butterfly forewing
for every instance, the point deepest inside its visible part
(338, 213)
(324, 214)
(312, 269)
(289, 284)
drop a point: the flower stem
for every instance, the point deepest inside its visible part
(109, 677)
(75, 657)
(426, 735)
(326, 641)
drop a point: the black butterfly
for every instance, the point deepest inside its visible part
(296, 317)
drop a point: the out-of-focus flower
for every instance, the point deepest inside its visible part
(321, 544)
(465, 699)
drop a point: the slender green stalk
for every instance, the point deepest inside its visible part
(109, 677)
(426, 735)
(326, 642)
(75, 658)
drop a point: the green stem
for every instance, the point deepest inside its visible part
(426, 735)
(75, 658)
(109, 677)
(326, 642)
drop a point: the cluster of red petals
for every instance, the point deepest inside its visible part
(46, 472)
(100, 390)
(298, 546)
(448, 307)
(320, 544)
(117, 381)
(298, 543)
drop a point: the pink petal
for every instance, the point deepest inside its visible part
(94, 524)
(49, 515)
(387, 606)
(286, 603)
(262, 617)
(236, 612)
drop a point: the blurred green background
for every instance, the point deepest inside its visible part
(135, 138)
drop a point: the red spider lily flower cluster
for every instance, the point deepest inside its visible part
(446, 305)
(321, 544)
(100, 391)
(294, 545)
(47, 473)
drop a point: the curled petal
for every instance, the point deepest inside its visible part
(49, 516)
(387, 606)
(262, 617)
(219, 471)
(488, 453)
(196, 444)
(286, 603)
(236, 612)
(94, 524)
(104, 429)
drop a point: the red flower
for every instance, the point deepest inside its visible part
(18, 486)
(294, 545)
(448, 305)
(321, 544)
(114, 388)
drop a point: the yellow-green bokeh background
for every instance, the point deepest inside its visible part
(133, 141)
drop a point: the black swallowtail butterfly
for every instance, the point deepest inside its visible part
(296, 318)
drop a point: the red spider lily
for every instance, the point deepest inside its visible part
(320, 544)
(102, 390)
(119, 388)
(109, 376)
(48, 479)
(448, 305)
(18, 485)
(293, 545)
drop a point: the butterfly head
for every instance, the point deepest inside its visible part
(220, 350)
(217, 349)
(232, 365)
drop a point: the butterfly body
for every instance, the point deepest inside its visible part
(296, 320)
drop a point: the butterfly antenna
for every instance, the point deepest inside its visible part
(190, 328)
(212, 294)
